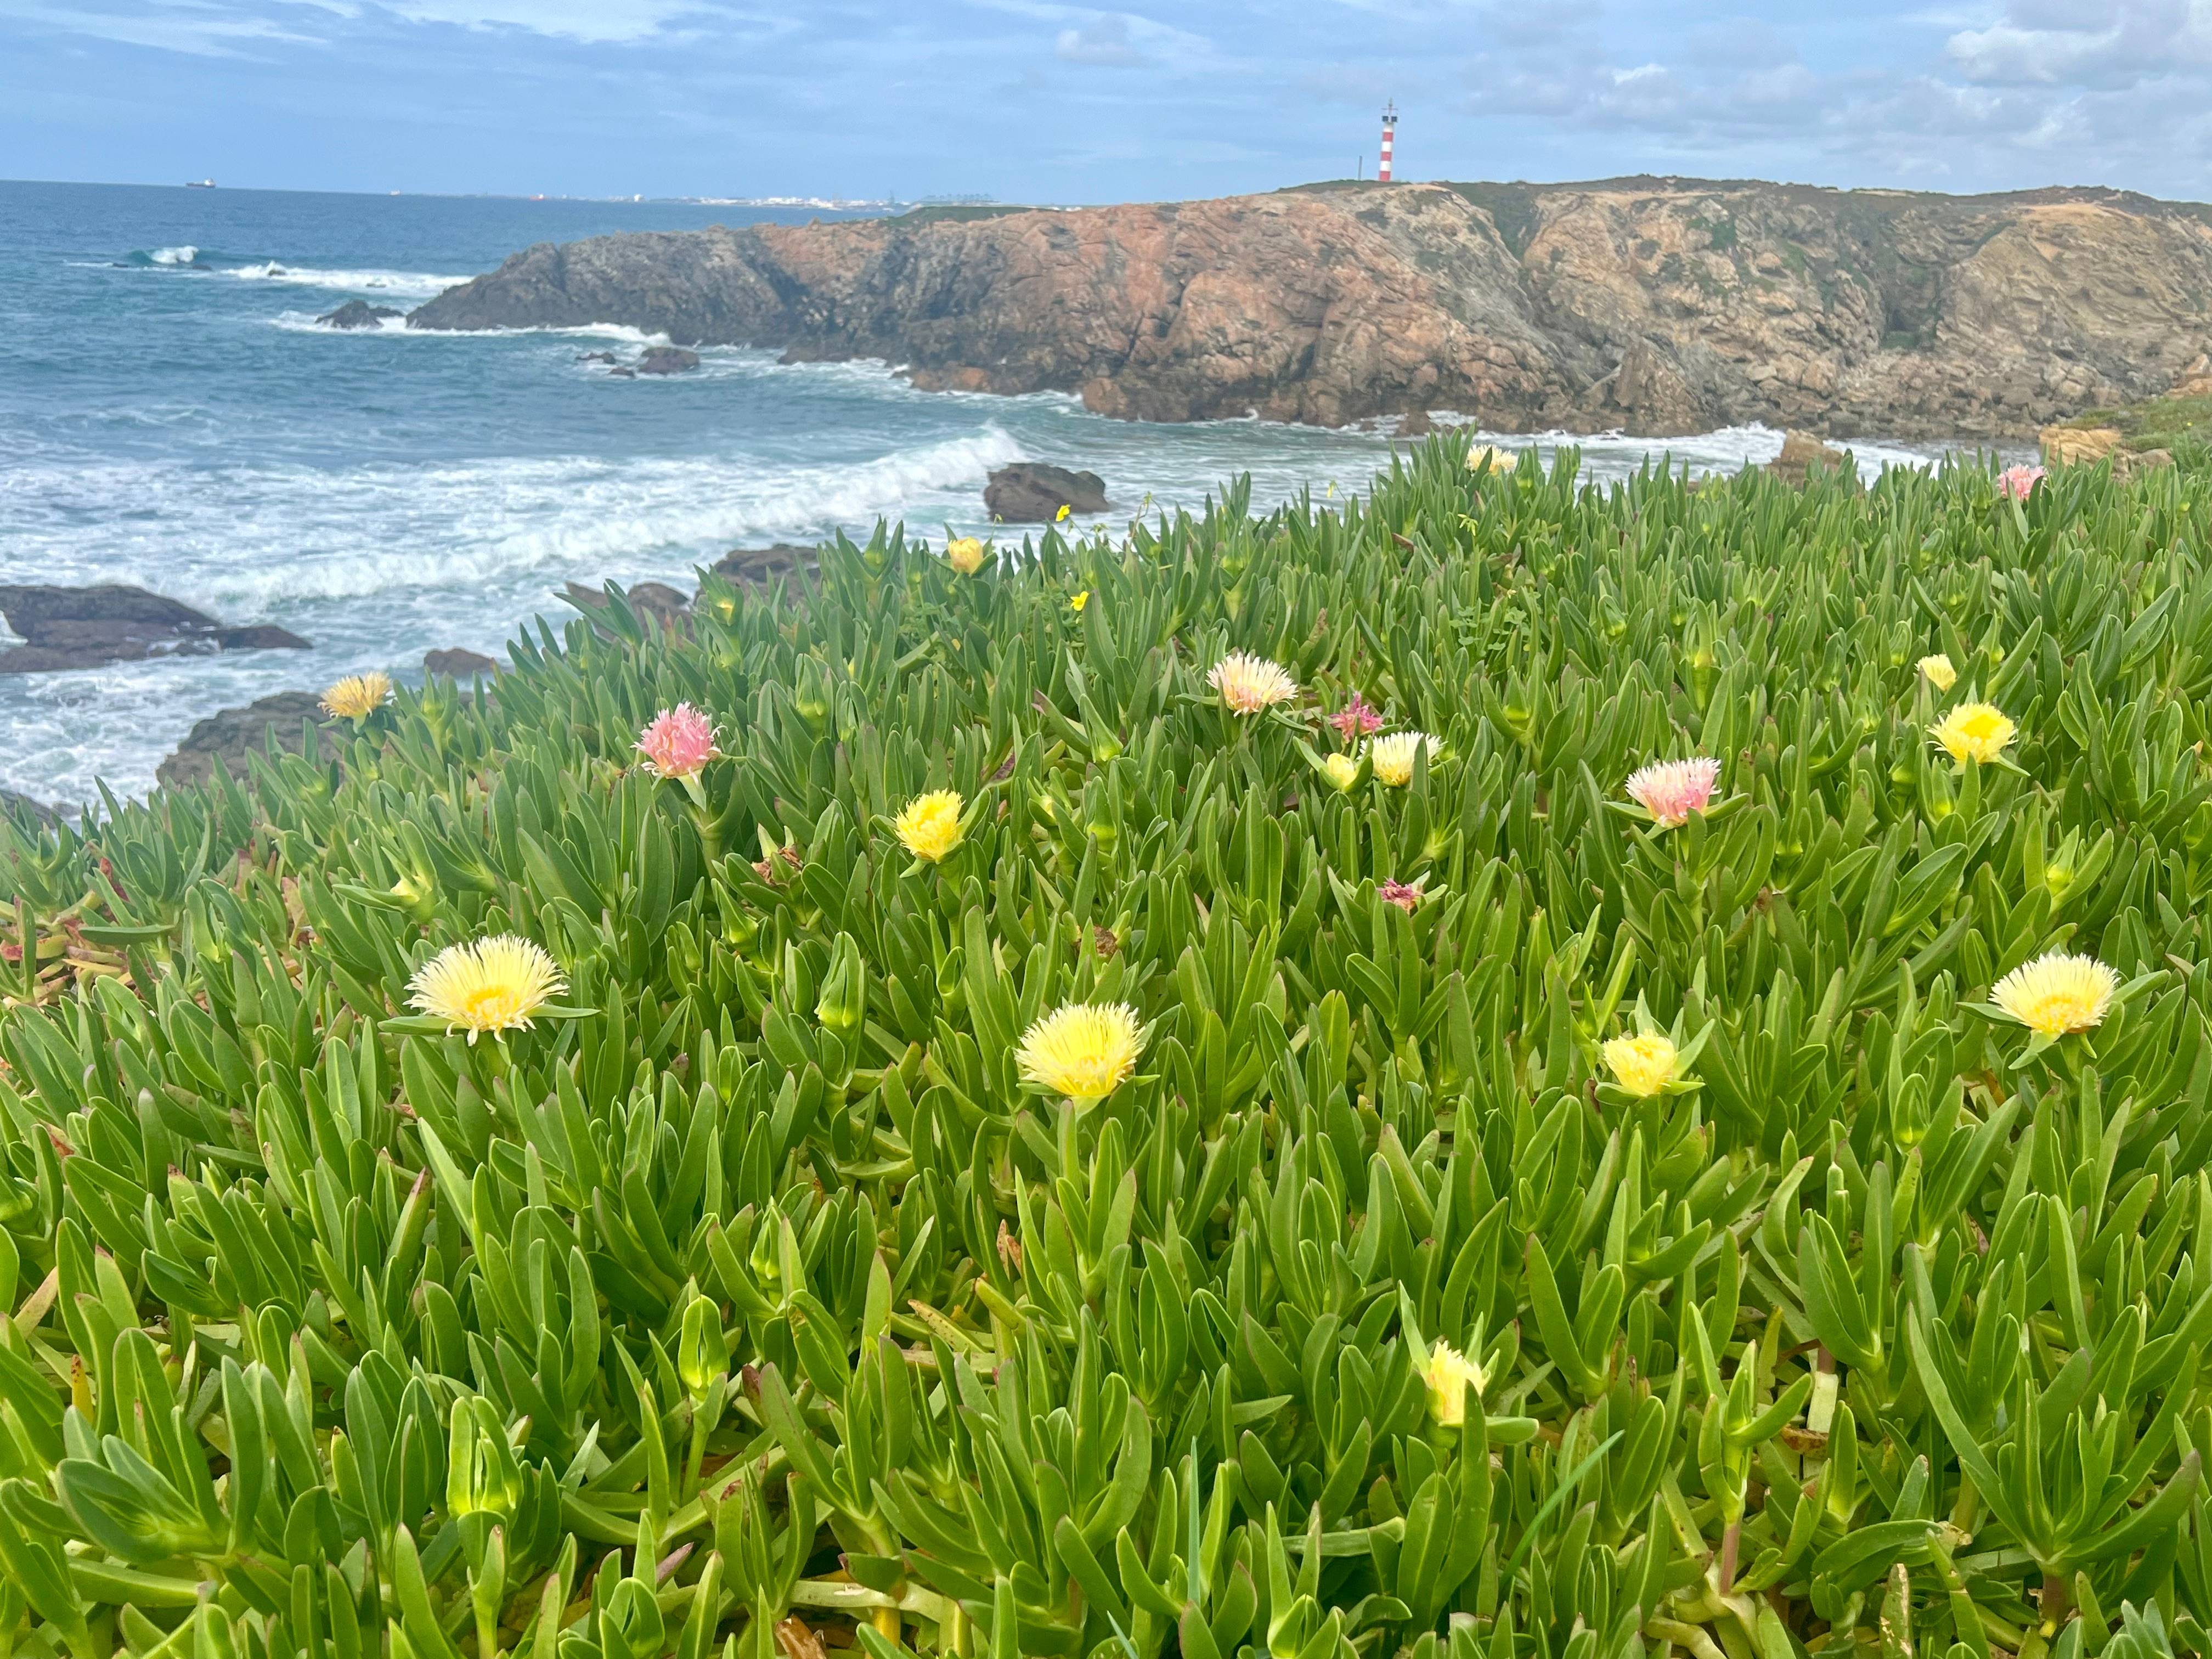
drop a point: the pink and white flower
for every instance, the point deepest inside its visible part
(2018, 482)
(1671, 790)
(1406, 896)
(678, 743)
(1356, 720)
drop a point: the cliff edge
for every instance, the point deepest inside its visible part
(1657, 306)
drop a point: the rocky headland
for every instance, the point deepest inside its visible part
(1656, 306)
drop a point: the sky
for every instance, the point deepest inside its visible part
(1036, 102)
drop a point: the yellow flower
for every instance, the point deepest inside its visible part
(491, 985)
(2058, 994)
(1060, 517)
(1084, 1051)
(1079, 600)
(1973, 732)
(929, 826)
(1394, 755)
(1938, 671)
(1342, 770)
(1451, 1375)
(1501, 460)
(1644, 1064)
(964, 555)
(1250, 683)
(357, 697)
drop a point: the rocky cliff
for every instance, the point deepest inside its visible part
(1660, 306)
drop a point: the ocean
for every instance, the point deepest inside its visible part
(171, 415)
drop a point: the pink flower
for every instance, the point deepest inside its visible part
(678, 743)
(1356, 720)
(1671, 790)
(1398, 893)
(2017, 482)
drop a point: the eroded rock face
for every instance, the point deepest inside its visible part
(65, 628)
(1801, 453)
(760, 564)
(1656, 306)
(232, 734)
(1033, 492)
(457, 663)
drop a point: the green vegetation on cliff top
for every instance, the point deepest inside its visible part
(1515, 1224)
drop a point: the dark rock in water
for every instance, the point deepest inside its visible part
(667, 360)
(596, 358)
(623, 374)
(25, 811)
(84, 627)
(760, 564)
(1032, 492)
(1415, 424)
(357, 313)
(232, 734)
(656, 602)
(457, 663)
(1801, 453)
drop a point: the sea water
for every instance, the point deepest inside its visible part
(171, 414)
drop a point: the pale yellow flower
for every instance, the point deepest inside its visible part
(929, 825)
(491, 985)
(1501, 460)
(1342, 770)
(1451, 1376)
(1077, 601)
(965, 555)
(1644, 1064)
(357, 697)
(1084, 1051)
(1938, 672)
(1250, 683)
(1394, 755)
(2058, 994)
(1973, 732)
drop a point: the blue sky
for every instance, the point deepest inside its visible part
(1026, 100)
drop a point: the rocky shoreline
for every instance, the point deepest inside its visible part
(1658, 307)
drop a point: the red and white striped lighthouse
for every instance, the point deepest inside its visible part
(1390, 140)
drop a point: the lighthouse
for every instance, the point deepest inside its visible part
(1390, 140)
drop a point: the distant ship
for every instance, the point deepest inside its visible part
(199, 184)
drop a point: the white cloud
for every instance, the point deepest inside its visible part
(1103, 43)
(2109, 46)
(598, 21)
(197, 31)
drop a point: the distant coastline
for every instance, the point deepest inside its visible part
(1654, 306)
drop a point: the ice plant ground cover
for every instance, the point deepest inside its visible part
(1653, 1239)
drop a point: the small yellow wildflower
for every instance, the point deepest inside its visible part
(1060, 517)
(1973, 732)
(1394, 755)
(1079, 600)
(1084, 1051)
(2058, 994)
(1501, 460)
(965, 555)
(491, 985)
(1938, 672)
(929, 825)
(1342, 770)
(1451, 1376)
(357, 697)
(1644, 1064)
